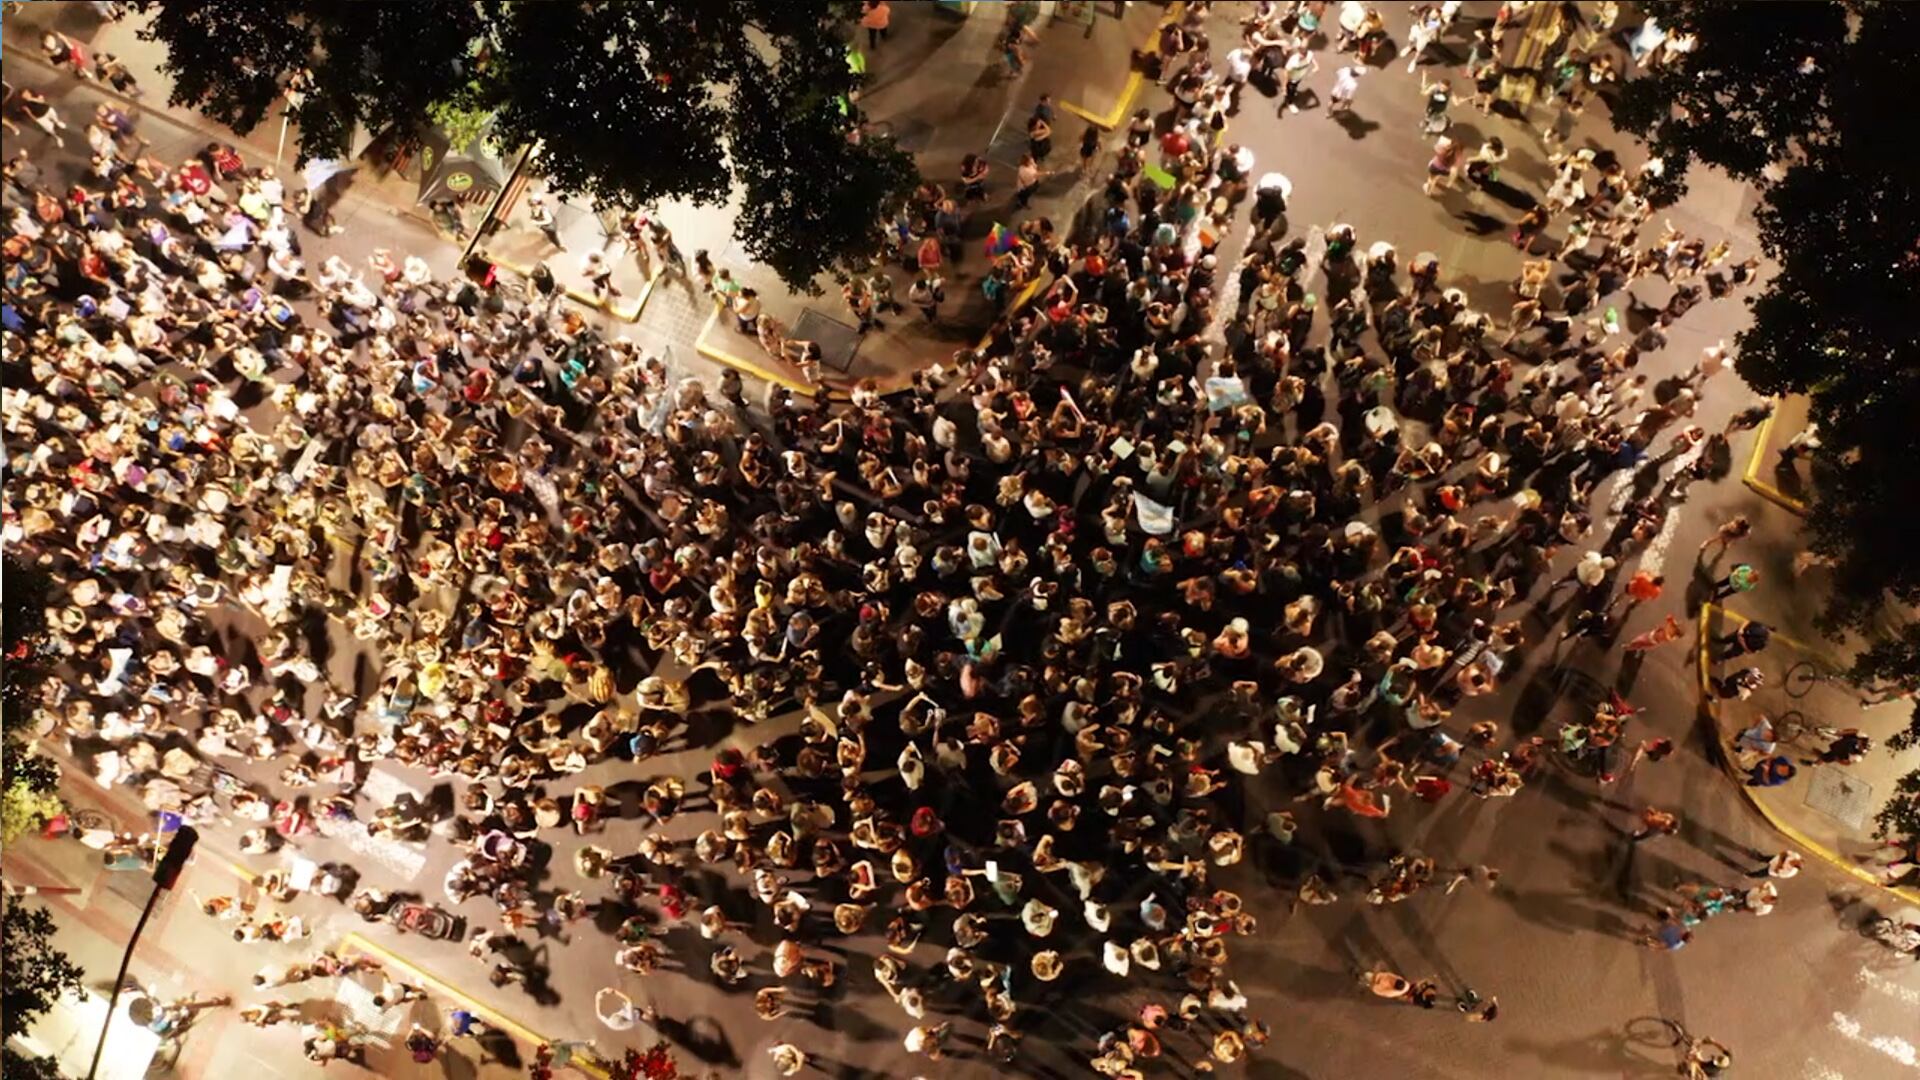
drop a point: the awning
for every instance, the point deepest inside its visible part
(455, 174)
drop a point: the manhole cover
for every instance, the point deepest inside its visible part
(836, 339)
(1840, 795)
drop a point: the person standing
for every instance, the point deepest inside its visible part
(1027, 181)
(1346, 83)
(876, 17)
(1040, 131)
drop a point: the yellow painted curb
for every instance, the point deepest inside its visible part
(740, 363)
(354, 941)
(1762, 438)
(1112, 117)
(1024, 298)
(585, 299)
(1710, 705)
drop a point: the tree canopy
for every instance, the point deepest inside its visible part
(629, 104)
(37, 975)
(1807, 102)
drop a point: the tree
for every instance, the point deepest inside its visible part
(29, 783)
(791, 151)
(1895, 661)
(1803, 104)
(37, 975)
(629, 104)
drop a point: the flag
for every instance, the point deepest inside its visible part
(1000, 240)
(1156, 519)
(169, 822)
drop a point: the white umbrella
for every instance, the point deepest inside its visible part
(320, 170)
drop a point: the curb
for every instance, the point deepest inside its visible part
(354, 942)
(1112, 117)
(1762, 439)
(742, 364)
(1709, 706)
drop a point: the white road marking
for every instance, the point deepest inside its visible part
(1877, 981)
(358, 1001)
(1818, 1071)
(385, 788)
(1893, 1046)
(406, 860)
(1655, 556)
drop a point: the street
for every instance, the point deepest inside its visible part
(1797, 993)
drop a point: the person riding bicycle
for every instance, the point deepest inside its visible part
(1705, 1058)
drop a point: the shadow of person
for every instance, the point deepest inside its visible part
(1356, 126)
(703, 1037)
(1605, 1052)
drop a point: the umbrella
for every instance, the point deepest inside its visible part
(320, 170)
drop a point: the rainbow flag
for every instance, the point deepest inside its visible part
(1000, 240)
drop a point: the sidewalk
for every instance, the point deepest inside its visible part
(184, 952)
(939, 85)
(270, 141)
(1826, 809)
(1786, 484)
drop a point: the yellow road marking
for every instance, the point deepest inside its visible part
(1111, 118)
(1761, 438)
(493, 1016)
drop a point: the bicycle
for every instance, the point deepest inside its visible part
(1792, 726)
(1703, 1058)
(1803, 676)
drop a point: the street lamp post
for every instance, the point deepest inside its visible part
(165, 874)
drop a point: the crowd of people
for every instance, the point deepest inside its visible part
(1171, 542)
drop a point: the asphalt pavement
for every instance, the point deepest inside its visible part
(1796, 993)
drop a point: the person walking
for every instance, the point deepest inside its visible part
(1346, 83)
(1642, 588)
(35, 107)
(1742, 578)
(1782, 866)
(1655, 822)
(599, 274)
(876, 17)
(1089, 148)
(1667, 631)
(541, 215)
(1300, 63)
(1737, 528)
(1752, 637)
(1443, 166)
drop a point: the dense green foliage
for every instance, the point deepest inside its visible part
(629, 104)
(1807, 101)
